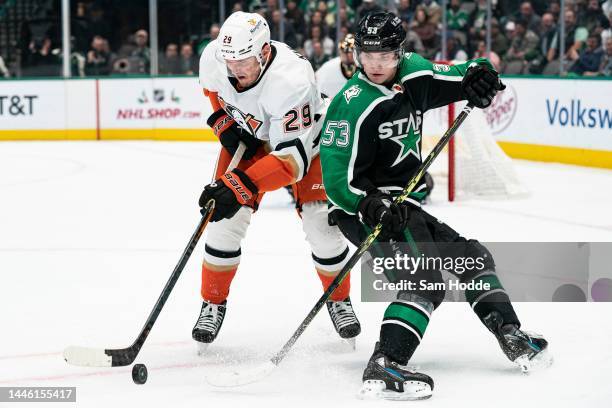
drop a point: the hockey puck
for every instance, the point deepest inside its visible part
(139, 373)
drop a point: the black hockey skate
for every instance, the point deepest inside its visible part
(527, 350)
(208, 325)
(344, 319)
(386, 379)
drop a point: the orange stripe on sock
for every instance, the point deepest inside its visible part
(216, 284)
(341, 291)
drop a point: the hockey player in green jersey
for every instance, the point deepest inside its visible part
(370, 148)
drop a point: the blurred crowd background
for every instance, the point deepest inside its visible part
(113, 37)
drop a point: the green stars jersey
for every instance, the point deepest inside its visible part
(371, 137)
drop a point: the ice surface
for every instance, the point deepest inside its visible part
(90, 231)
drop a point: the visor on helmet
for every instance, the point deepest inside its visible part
(383, 59)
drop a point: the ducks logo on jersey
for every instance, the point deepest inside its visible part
(245, 120)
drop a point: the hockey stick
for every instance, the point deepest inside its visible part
(94, 357)
(233, 378)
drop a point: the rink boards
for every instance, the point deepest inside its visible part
(544, 119)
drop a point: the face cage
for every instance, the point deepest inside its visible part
(395, 64)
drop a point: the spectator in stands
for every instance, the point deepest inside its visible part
(575, 37)
(554, 8)
(481, 52)
(529, 16)
(188, 63)
(607, 33)
(593, 18)
(100, 24)
(238, 6)
(289, 38)
(79, 28)
(316, 35)
(40, 60)
(99, 57)
(318, 56)
(367, 7)
(457, 20)
(169, 63)
(327, 17)
(4, 72)
(548, 30)
(433, 10)
(605, 68)
(295, 16)
(606, 7)
(426, 30)
(454, 51)
(578, 6)
(270, 7)
(413, 42)
(405, 11)
(477, 23)
(547, 25)
(456, 17)
(142, 52)
(523, 48)
(134, 55)
(345, 19)
(499, 42)
(213, 33)
(590, 58)
(316, 19)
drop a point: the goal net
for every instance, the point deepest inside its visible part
(473, 165)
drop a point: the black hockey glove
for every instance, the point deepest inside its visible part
(378, 207)
(480, 84)
(230, 134)
(230, 192)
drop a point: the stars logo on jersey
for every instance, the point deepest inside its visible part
(351, 92)
(246, 121)
(408, 145)
(406, 133)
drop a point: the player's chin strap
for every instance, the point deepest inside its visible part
(263, 62)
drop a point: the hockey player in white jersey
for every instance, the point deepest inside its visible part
(332, 75)
(264, 95)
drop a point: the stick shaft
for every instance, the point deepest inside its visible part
(280, 355)
(123, 357)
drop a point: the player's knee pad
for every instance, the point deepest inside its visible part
(432, 288)
(224, 237)
(329, 249)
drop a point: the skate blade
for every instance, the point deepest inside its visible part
(538, 362)
(376, 390)
(202, 348)
(351, 343)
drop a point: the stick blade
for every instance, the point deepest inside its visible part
(87, 357)
(235, 378)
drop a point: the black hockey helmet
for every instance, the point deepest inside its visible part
(380, 32)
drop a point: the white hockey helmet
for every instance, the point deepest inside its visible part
(243, 35)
